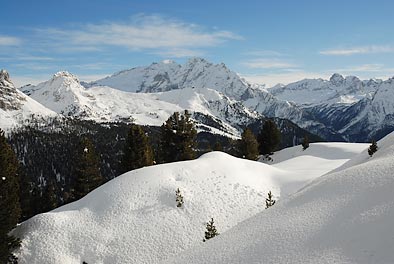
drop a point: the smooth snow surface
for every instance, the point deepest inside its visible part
(342, 217)
(134, 218)
(318, 159)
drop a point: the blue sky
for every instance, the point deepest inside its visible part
(264, 41)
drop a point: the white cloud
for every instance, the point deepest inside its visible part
(34, 58)
(268, 64)
(179, 53)
(154, 33)
(20, 81)
(264, 53)
(358, 50)
(92, 77)
(362, 68)
(9, 41)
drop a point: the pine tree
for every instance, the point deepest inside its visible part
(138, 152)
(249, 145)
(269, 201)
(178, 138)
(305, 143)
(217, 146)
(25, 195)
(9, 201)
(179, 198)
(49, 197)
(211, 231)
(88, 176)
(269, 137)
(372, 148)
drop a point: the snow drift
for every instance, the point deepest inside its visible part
(342, 217)
(134, 218)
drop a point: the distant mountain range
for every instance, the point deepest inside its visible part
(341, 109)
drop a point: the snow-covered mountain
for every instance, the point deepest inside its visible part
(16, 107)
(312, 92)
(336, 109)
(357, 110)
(198, 74)
(373, 115)
(168, 75)
(65, 95)
(342, 217)
(134, 218)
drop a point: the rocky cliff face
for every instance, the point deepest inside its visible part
(10, 98)
(16, 107)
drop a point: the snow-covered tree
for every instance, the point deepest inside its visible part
(179, 198)
(9, 201)
(372, 148)
(211, 231)
(269, 201)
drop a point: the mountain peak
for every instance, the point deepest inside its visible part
(337, 79)
(168, 62)
(195, 60)
(5, 79)
(65, 74)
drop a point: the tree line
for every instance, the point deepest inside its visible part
(88, 159)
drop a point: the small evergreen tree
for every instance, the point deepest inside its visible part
(305, 143)
(9, 201)
(372, 148)
(249, 146)
(49, 197)
(179, 198)
(25, 195)
(138, 152)
(269, 137)
(269, 201)
(178, 138)
(217, 146)
(211, 231)
(88, 176)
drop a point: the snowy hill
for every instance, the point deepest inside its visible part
(16, 107)
(343, 217)
(134, 218)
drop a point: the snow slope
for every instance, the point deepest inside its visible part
(134, 218)
(16, 107)
(343, 217)
(318, 159)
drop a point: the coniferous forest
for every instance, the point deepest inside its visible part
(48, 153)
